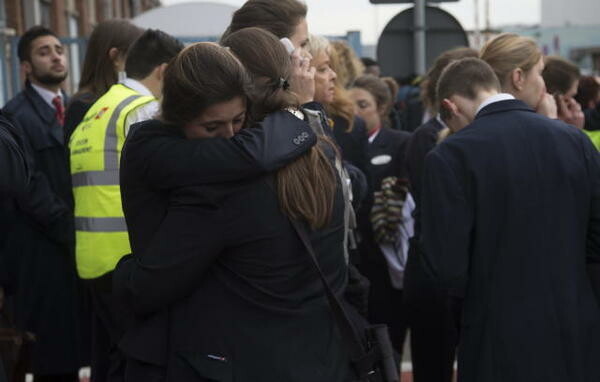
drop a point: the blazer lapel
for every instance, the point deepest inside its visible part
(48, 115)
(380, 142)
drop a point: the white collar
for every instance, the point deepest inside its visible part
(47, 95)
(137, 86)
(372, 137)
(495, 98)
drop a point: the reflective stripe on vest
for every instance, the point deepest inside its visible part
(100, 224)
(95, 146)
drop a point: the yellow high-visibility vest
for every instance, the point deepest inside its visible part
(594, 137)
(95, 148)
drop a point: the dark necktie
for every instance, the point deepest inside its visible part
(60, 109)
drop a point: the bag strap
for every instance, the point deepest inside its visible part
(363, 361)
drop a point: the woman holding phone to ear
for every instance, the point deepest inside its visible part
(244, 302)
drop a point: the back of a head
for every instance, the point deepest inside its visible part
(202, 75)
(24, 45)
(151, 49)
(559, 74)
(269, 65)
(466, 77)
(367, 61)
(508, 52)
(98, 73)
(429, 87)
(392, 85)
(279, 17)
(345, 63)
(588, 92)
(305, 187)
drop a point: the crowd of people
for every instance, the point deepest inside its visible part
(250, 210)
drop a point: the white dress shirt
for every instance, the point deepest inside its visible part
(144, 112)
(495, 98)
(48, 95)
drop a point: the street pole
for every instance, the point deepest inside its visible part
(419, 41)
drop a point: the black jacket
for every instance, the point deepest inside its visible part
(40, 241)
(76, 109)
(14, 173)
(386, 155)
(157, 158)
(245, 302)
(353, 144)
(418, 284)
(14, 179)
(592, 119)
(422, 141)
(510, 217)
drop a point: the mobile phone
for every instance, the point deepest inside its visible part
(287, 43)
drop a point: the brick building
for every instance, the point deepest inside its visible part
(69, 18)
(72, 20)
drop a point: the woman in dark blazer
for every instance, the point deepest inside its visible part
(244, 302)
(385, 153)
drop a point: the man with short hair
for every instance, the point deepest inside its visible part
(39, 246)
(95, 147)
(431, 322)
(511, 226)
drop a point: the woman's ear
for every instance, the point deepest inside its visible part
(161, 71)
(517, 78)
(113, 54)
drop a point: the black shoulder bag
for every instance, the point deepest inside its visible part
(373, 356)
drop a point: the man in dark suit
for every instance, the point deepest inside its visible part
(510, 218)
(14, 178)
(433, 332)
(41, 237)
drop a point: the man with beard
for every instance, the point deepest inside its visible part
(39, 244)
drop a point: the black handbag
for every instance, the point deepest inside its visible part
(372, 355)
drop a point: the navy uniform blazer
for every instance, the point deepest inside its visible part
(242, 299)
(386, 155)
(423, 140)
(245, 302)
(40, 241)
(510, 217)
(157, 158)
(14, 179)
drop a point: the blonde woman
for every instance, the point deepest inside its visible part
(345, 62)
(350, 132)
(518, 64)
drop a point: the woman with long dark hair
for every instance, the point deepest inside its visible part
(244, 301)
(104, 60)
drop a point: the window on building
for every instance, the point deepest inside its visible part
(74, 54)
(46, 13)
(134, 8)
(91, 10)
(117, 10)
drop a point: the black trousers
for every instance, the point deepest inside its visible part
(108, 325)
(386, 304)
(433, 323)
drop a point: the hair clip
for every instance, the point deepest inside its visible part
(284, 84)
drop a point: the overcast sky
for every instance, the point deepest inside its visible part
(333, 17)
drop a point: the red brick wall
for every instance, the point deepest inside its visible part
(14, 15)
